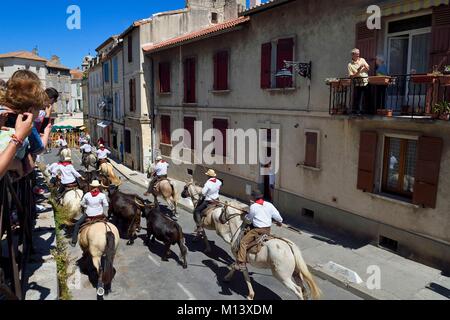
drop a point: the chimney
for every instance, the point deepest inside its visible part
(254, 3)
(55, 59)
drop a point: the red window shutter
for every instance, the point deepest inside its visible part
(189, 123)
(216, 71)
(440, 43)
(165, 130)
(311, 149)
(266, 63)
(189, 80)
(428, 164)
(164, 77)
(285, 52)
(222, 69)
(367, 160)
(366, 42)
(222, 126)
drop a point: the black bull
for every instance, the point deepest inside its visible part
(124, 207)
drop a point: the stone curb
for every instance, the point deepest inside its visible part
(44, 277)
(316, 270)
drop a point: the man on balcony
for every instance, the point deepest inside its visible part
(358, 70)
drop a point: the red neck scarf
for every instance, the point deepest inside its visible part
(95, 193)
(260, 201)
(213, 180)
(65, 164)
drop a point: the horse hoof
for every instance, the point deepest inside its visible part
(251, 297)
(184, 266)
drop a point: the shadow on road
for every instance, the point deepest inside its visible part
(216, 253)
(237, 283)
(158, 249)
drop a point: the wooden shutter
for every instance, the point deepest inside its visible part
(266, 63)
(130, 48)
(127, 141)
(440, 34)
(222, 126)
(189, 80)
(165, 130)
(427, 171)
(367, 160)
(164, 77)
(366, 42)
(311, 149)
(132, 88)
(285, 52)
(189, 123)
(221, 70)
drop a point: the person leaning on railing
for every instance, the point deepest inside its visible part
(358, 70)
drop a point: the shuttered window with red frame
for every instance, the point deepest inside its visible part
(189, 80)
(164, 77)
(165, 130)
(266, 65)
(311, 149)
(221, 70)
(285, 52)
(222, 126)
(189, 123)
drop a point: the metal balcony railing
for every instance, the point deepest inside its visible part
(412, 95)
(17, 215)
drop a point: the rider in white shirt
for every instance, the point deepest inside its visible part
(102, 155)
(52, 169)
(210, 195)
(159, 173)
(95, 206)
(61, 143)
(260, 218)
(67, 174)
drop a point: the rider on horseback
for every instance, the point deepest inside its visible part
(102, 155)
(86, 149)
(68, 176)
(53, 170)
(210, 196)
(260, 220)
(95, 206)
(61, 143)
(159, 174)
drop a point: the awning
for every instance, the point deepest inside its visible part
(72, 122)
(104, 124)
(404, 6)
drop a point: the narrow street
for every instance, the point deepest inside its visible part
(141, 275)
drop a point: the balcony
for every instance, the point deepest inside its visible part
(416, 96)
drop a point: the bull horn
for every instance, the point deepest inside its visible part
(139, 204)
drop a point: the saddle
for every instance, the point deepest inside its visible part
(93, 220)
(102, 161)
(158, 182)
(211, 207)
(256, 245)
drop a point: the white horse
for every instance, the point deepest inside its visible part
(71, 201)
(280, 255)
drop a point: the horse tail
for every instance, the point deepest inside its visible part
(302, 270)
(108, 258)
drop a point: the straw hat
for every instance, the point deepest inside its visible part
(95, 184)
(67, 159)
(159, 158)
(101, 146)
(211, 173)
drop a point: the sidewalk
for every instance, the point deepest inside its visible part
(347, 264)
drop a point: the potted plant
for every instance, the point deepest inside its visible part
(385, 112)
(446, 70)
(424, 78)
(436, 111)
(442, 109)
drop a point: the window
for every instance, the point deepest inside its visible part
(37, 68)
(132, 89)
(127, 141)
(399, 166)
(222, 126)
(116, 69)
(221, 70)
(130, 48)
(189, 80)
(273, 55)
(189, 125)
(164, 77)
(214, 17)
(106, 72)
(117, 105)
(311, 149)
(165, 130)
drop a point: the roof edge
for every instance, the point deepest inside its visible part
(264, 7)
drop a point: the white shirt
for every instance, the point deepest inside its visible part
(61, 142)
(161, 168)
(86, 148)
(103, 154)
(211, 189)
(52, 168)
(68, 173)
(95, 206)
(261, 215)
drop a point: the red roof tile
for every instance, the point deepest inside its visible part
(196, 34)
(23, 55)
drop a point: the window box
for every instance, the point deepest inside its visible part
(380, 80)
(423, 78)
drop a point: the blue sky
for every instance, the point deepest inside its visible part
(26, 24)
